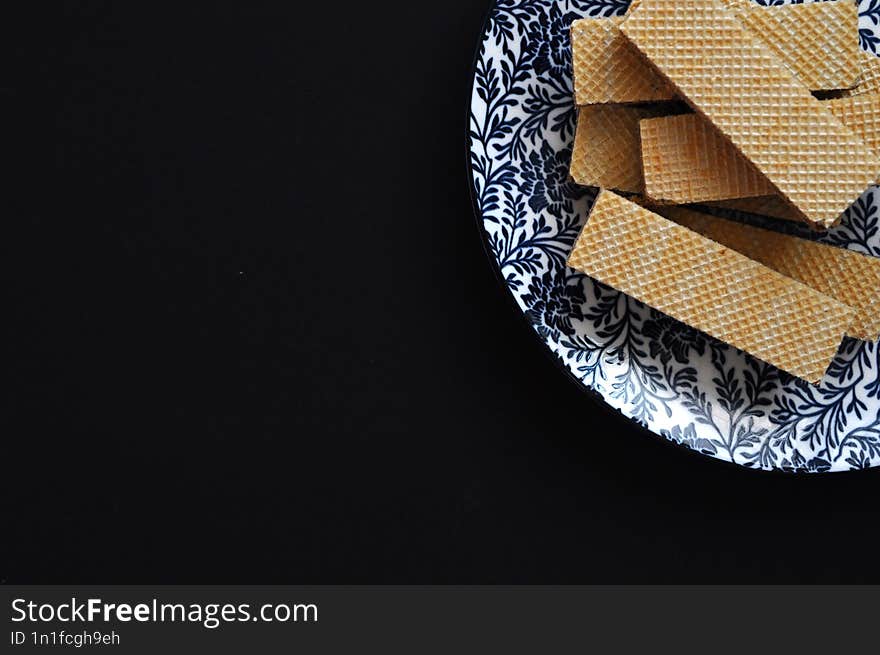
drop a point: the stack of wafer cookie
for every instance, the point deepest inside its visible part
(768, 109)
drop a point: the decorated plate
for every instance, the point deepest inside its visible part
(678, 383)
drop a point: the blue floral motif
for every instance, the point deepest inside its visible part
(669, 338)
(869, 21)
(546, 181)
(679, 383)
(553, 305)
(688, 437)
(549, 44)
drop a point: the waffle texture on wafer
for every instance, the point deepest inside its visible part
(869, 81)
(710, 287)
(811, 158)
(860, 113)
(818, 42)
(686, 159)
(606, 146)
(607, 68)
(739, 7)
(850, 277)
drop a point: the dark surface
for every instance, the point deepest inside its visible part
(254, 336)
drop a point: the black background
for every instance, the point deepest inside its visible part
(253, 336)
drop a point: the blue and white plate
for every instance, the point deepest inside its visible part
(676, 382)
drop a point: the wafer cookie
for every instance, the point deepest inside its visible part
(850, 277)
(685, 159)
(818, 42)
(606, 146)
(710, 287)
(608, 69)
(815, 162)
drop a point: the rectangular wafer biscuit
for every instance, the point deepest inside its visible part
(686, 159)
(818, 42)
(811, 158)
(850, 277)
(710, 287)
(608, 69)
(606, 146)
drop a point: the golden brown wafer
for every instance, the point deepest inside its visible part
(818, 42)
(710, 287)
(850, 277)
(869, 80)
(606, 147)
(685, 159)
(739, 7)
(608, 69)
(860, 113)
(815, 162)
